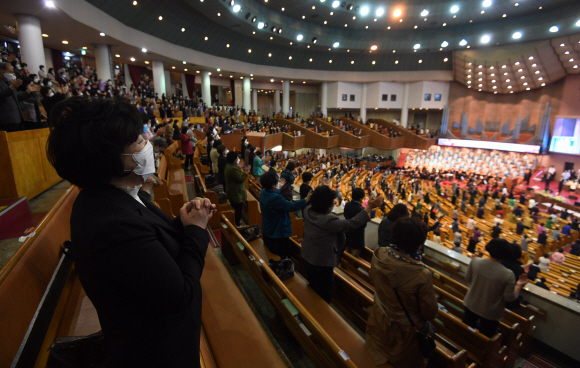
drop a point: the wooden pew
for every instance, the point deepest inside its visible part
(320, 330)
(163, 193)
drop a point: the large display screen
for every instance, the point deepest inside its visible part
(500, 146)
(566, 137)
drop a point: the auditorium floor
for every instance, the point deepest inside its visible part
(39, 206)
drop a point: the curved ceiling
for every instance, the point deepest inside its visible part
(402, 40)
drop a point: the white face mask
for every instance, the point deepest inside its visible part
(49, 84)
(238, 161)
(9, 76)
(51, 94)
(145, 161)
(35, 80)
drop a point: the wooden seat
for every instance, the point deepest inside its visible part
(163, 192)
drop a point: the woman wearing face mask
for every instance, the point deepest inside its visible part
(235, 175)
(31, 115)
(49, 99)
(51, 75)
(140, 269)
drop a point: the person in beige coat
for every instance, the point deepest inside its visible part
(389, 335)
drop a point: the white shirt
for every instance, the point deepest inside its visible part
(544, 264)
(470, 224)
(531, 203)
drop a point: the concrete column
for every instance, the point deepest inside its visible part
(247, 98)
(30, 38)
(277, 101)
(184, 86)
(48, 57)
(255, 99)
(205, 88)
(286, 97)
(158, 77)
(103, 61)
(323, 98)
(363, 103)
(168, 87)
(405, 106)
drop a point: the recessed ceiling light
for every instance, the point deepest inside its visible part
(331, 13)
(517, 35)
(269, 55)
(172, 67)
(517, 4)
(160, 17)
(425, 13)
(249, 51)
(503, 16)
(354, 17)
(541, 78)
(143, 49)
(373, 62)
(508, 80)
(304, 17)
(531, 58)
(310, 60)
(102, 34)
(485, 39)
(420, 61)
(44, 35)
(218, 69)
(396, 61)
(364, 10)
(65, 42)
(571, 60)
(237, 8)
(454, 9)
(510, 87)
(397, 13)
(463, 42)
(299, 37)
(336, 44)
(379, 12)
(374, 47)
(543, 84)
(554, 29)
(444, 24)
(134, 2)
(260, 25)
(445, 60)
(219, 14)
(517, 63)
(523, 77)
(117, 55)
(486, 3)
(146, 62)
(228, 45)
(506, 73)
(444, 44)
(335, 4)
(417, 46)
(289, 57)
(313, 7)
(526, 83)
(206, 38)
(330, 61)
(575, 66)
(578, 23)
(352, 62)
(304, 82)
(132, 59)
(483, 12)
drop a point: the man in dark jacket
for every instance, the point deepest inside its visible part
(386, 225)
(355, 240)
(305, 187)
(542, 238)
(9, 107)
(495, 231)
(519, 227)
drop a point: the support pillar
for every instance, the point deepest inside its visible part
(168, 88)
(158, 77)
(205, 88)
(48, 56)
(405, 106)
(30, 38)
(247, 98)
(277, 101)
(286, 97)
(255, 99)
(323, 98)
(184, 86)
(363, 103)
(103, 61)
(128, 79)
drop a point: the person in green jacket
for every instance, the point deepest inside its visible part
(257, 165)
(236, 175)
(549, 223)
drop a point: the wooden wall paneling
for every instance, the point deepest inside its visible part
(25, 168)
(345, 139)
(312, 139)
(273, 140)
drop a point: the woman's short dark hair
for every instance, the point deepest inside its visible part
(231, 157)
(221, 149)
(87, 139)
(269, 180)
(546, 255)
(398, 211)
(217, 143)
(515, 252)
(322, 199)
(358, 194)
(184, 130)
(259, 153)
(499, 248)
(409, 234)
(306, 177)
(291, 165)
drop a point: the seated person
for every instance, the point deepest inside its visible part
(542, 283)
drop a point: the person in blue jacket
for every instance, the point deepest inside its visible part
(276, 225)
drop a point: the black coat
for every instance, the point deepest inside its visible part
(385, 232)
(141, 270)
(542, 238)
(354, 239)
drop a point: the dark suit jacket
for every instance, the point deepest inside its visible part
(355, 238)
(9, 104)
(141, 270)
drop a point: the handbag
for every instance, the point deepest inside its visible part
(78, 352)
(251, 233)
(425, 336)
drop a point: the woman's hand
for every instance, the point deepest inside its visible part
(307, 199)
(282, 182)
(148, 184)
(197, 212)
(523, 279)
(374, 203)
